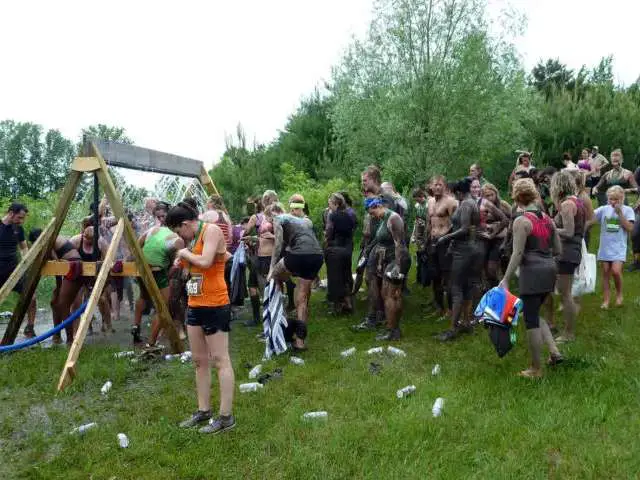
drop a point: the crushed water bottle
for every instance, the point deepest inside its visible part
(348, 352)
(83, 428)
(296, 361)
(123, 440)
(406, 391)
(255, 371)
(315, 416)
(436, 370)
(130, 353)
(186, 357)
(250, 387)
(396, 351)
(437, 407)
(373, 350)
(106, 387)
(169, 357)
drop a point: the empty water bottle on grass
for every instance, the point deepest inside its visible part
(106, 387)
(130, 353)
(437, 407)
(123, 440)
(255, 371)
(83, 428)
(348, 352)
(406, 391)
(373, 350)
(296, 361)
(250, 387)
(436, 370)
(315, 416)
(396, 351)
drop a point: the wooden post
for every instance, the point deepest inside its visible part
(33, 276)
(26, 262)
(207, 183)
(69, 370)
(143, 268)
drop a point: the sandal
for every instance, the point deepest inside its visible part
(530, 373)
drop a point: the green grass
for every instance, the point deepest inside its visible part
(581, 421)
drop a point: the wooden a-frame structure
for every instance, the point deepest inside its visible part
(95, 158)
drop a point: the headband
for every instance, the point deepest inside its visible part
(372, 202)
(295, 205)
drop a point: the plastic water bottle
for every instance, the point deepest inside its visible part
(436, 370)
(396, 351)
(406, 391)
(437, 407)
(130, 353)
(255, 371)
(106, 387)
(315, 416)
(373, 350)
(186, 357)
(296, 361)
(169, 357)
(348, 352)
(123, 440)
(83, 428)
(250, 387)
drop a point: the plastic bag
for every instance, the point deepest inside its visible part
(584, 280)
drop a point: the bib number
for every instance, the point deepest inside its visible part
(612, 225)
(194, 285)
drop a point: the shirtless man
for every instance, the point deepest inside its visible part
(440, 208)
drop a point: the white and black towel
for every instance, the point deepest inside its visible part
(274, 320)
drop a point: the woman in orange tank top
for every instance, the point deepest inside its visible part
(209, 314)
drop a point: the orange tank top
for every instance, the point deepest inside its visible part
(207, 287)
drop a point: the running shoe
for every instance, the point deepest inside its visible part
(389, 335)
(219, 425)
(196, 419)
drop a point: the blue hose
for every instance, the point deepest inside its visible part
(32, 341)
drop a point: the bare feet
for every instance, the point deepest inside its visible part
(530, 373)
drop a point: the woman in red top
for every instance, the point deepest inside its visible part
(209, 314)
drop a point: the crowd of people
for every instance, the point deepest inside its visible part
(467, 240)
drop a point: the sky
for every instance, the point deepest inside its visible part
(179, 76)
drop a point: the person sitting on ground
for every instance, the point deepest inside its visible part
(296, 253)
(12, 239)
(209, 314)
(535, 241)
(616, 221)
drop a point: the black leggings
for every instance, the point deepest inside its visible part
(531, 309)
(635, 235)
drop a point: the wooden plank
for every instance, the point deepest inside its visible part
(85, 164)
(26, 261)
(33, 276)
(55, 268)
(69, 369)
(147, 160)
(207, 183)
(143, 268)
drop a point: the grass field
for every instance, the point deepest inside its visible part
(581, 421)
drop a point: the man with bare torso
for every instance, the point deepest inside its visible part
(440, 208)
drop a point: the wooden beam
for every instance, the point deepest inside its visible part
(85, 164)
(69, 370)
(26, 262)
(54, 268)
(33, 275)
(143, 267)
(207, 183)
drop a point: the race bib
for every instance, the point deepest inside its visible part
(612, 225)
(194, 285)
